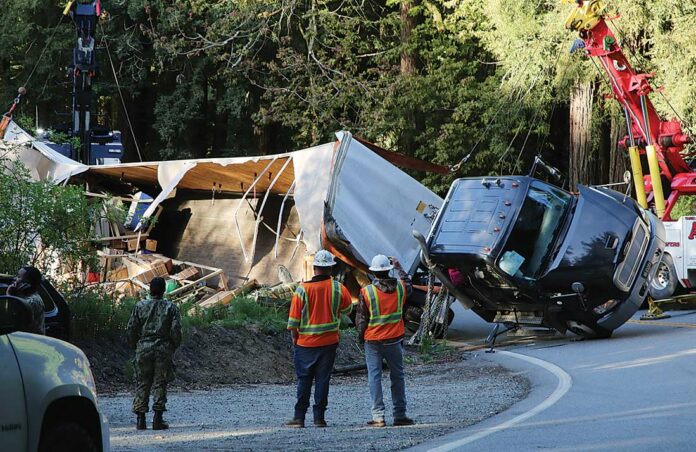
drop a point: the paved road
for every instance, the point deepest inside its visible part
(635, 391)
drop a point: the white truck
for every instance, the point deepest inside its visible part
(678, 266)
(49, 399)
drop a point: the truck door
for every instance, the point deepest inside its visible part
(13, 410)
(685, 273)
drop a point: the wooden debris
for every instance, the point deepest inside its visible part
(186, 274)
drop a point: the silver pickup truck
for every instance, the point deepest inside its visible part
(49, 400)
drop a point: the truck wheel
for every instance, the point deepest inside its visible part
(67, 436)
(412, 317)
(664, 283)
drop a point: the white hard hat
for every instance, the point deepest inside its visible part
(381, 263)
(324, 259)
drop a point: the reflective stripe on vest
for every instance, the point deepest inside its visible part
(306, 326)
(376, 317)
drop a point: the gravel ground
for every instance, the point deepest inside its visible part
(442, 397)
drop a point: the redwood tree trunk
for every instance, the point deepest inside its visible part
(580, 134)
(618, 157)
(408, 23)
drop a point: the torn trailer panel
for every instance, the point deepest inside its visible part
(372, 207)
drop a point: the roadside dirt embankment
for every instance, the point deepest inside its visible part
(209, 357)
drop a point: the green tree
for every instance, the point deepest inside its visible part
(41, 223)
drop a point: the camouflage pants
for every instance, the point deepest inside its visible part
(153, 370)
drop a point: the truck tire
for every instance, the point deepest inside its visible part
(664, 283)
(67, 436)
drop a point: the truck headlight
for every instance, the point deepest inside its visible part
(605, 307)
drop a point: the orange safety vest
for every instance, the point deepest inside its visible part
(319, 318)
(386, 312)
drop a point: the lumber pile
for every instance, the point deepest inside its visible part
(130, 274)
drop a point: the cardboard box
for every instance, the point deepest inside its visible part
(158, 269)
(119, 274)
(187, 274)
(219, 298)
(308, 267)
(133, 245)
(153, 258)
(151, 245)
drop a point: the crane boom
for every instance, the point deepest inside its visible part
(648, 132)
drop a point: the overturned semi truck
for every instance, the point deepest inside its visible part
(532, 254)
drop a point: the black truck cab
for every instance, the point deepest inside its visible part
(530, 253)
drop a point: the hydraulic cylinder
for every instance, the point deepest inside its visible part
(658, 194)
(638, 177)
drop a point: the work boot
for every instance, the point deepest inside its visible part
(140, 423)
(377, 423)
(158, 423)
(321, 423)
(403, 421)
(295, 423)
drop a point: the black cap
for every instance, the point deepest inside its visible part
(157, 286)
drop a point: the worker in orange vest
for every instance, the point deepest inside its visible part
(380, 324)
(315, 315)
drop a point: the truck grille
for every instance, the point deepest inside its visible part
(626, 273)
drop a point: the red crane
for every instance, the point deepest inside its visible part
(660, 141)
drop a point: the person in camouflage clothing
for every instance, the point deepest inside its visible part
(154, 329)
(26, 286)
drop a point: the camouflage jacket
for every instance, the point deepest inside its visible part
(154, 323)
(37, 312)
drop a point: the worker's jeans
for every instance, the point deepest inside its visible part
(394, 355)
(313, 364)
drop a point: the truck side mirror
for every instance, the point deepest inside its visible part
(15, 315)
(579, 288)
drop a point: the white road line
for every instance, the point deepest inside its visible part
(564, 383)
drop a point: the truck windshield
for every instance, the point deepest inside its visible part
(534, 231)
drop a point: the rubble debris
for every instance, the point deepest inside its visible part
(130, 273)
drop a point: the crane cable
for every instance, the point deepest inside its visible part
(643, 61)
(120, 93)
(534, 119)
(553, 109)
(43, 52)
(457, 166)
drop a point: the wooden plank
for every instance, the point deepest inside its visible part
(219, 298)
(196, 282)
(186, 274)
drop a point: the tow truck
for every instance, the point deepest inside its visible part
(520, 244)
(656, 146)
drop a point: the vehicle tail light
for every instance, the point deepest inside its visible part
(605, 307)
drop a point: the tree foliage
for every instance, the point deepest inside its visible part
(221, 78)
(42, 222)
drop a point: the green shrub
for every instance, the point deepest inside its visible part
(246, 311)
(95, 312)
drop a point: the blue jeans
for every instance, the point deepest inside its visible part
(394, 355)
(313, 364)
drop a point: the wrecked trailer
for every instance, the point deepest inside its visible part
(532, 254)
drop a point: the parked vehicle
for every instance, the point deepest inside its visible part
(49, 400)
(531, 253)
(56, 310)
